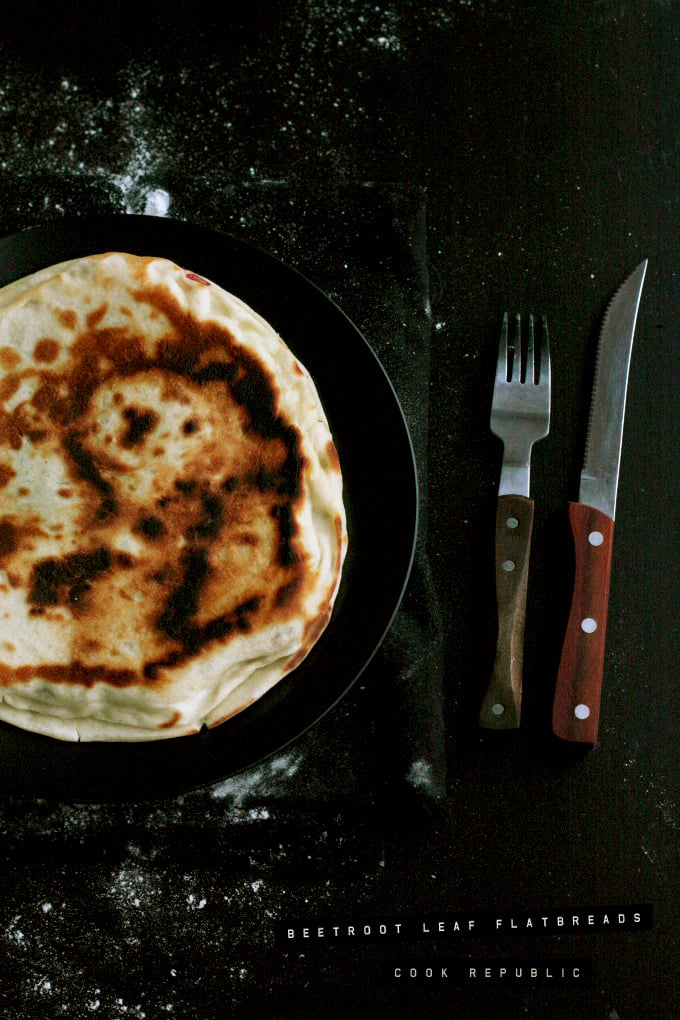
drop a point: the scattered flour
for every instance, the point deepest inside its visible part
(267, 780)
(420, 774)
(43, 986)
(14, 933)
(195, 903)
(157, 203)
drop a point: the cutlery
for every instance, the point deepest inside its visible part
(520, 416)
(576, 705)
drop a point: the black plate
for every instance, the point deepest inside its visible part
(380, 494)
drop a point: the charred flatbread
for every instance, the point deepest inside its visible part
(172, 528)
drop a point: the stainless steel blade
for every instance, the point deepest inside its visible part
(600, 474)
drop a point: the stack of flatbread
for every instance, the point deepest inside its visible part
(172, 529)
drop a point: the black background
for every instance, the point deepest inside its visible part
(542, 139)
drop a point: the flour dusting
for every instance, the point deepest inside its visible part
(267, 780)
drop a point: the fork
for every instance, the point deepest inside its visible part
(520, 416)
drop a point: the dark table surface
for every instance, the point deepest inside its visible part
(428, 166)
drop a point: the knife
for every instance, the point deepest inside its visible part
(576, 705)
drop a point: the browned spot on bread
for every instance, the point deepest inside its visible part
(313, 632)
(139, 423)
(332, 455)
(29, 422)
(66, 581)
(339, 537)
(92, 645)
(24, 420)
(9, 358)
(6, 475)
(46, 351)
(9, 384)
(150, 527)
(15, 533)
(247, 539)
(9, 540)
(287, 592)
(96, 316)
(212, 517)
(230, 715)
(75, 673)
(85, 469)
(172, 721)
(10, 433)
(67, 317)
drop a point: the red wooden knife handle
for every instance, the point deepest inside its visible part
(576, 707)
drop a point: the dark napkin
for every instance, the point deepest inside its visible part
(365, 247)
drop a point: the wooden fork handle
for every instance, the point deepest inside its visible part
(576, 705)
(501, 708)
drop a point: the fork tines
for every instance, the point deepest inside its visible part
(520, 362)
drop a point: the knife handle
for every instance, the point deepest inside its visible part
(501, 708)
(576, 706)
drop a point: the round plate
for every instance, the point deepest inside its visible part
(379, 476)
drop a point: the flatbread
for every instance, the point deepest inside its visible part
(172, 528)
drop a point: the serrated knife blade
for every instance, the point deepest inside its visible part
(576, 705)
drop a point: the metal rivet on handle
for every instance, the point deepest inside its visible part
(497, 709)
(512, 523)
(589, 625)
(581, 711)
(508, 566)
(596, 538)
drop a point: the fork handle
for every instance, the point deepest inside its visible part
(576, 705)
(501, 708)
